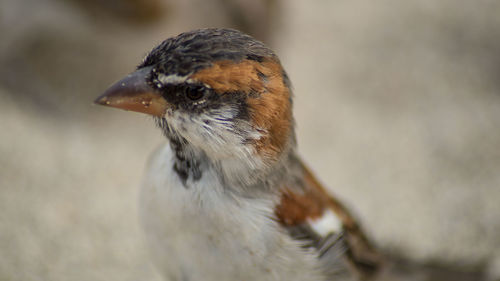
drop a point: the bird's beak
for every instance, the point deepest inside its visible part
(133, 93)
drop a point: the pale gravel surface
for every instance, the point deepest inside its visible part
(397, 106)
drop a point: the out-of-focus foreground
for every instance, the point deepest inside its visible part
(397, 106)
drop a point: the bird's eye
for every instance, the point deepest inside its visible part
(195, 93)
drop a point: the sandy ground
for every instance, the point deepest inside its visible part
(397, 107)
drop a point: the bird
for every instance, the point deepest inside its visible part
(227, 196)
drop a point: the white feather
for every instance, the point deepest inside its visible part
(326, 224)
(203, 232)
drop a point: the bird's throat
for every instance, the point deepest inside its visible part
(186, 163)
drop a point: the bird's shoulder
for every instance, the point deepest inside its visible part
(319, 220)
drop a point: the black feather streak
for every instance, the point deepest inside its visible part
(186, 166)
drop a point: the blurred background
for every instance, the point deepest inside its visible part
(397, 106)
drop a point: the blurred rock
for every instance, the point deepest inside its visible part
(128, 11)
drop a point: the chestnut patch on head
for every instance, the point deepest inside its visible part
(230, 76)
(267, 97)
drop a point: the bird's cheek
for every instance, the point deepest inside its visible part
(179, 122)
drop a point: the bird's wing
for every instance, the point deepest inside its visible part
(318, 219)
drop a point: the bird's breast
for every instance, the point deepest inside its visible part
(199, 231)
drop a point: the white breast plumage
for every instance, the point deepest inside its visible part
(192, 237)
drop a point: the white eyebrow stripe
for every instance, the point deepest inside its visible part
(172, 79)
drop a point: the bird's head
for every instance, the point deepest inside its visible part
(217, 90)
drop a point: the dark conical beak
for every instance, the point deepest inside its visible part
(133, 93)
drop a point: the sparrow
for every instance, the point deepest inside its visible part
(228, 197)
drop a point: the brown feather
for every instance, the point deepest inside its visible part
(309, 203)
